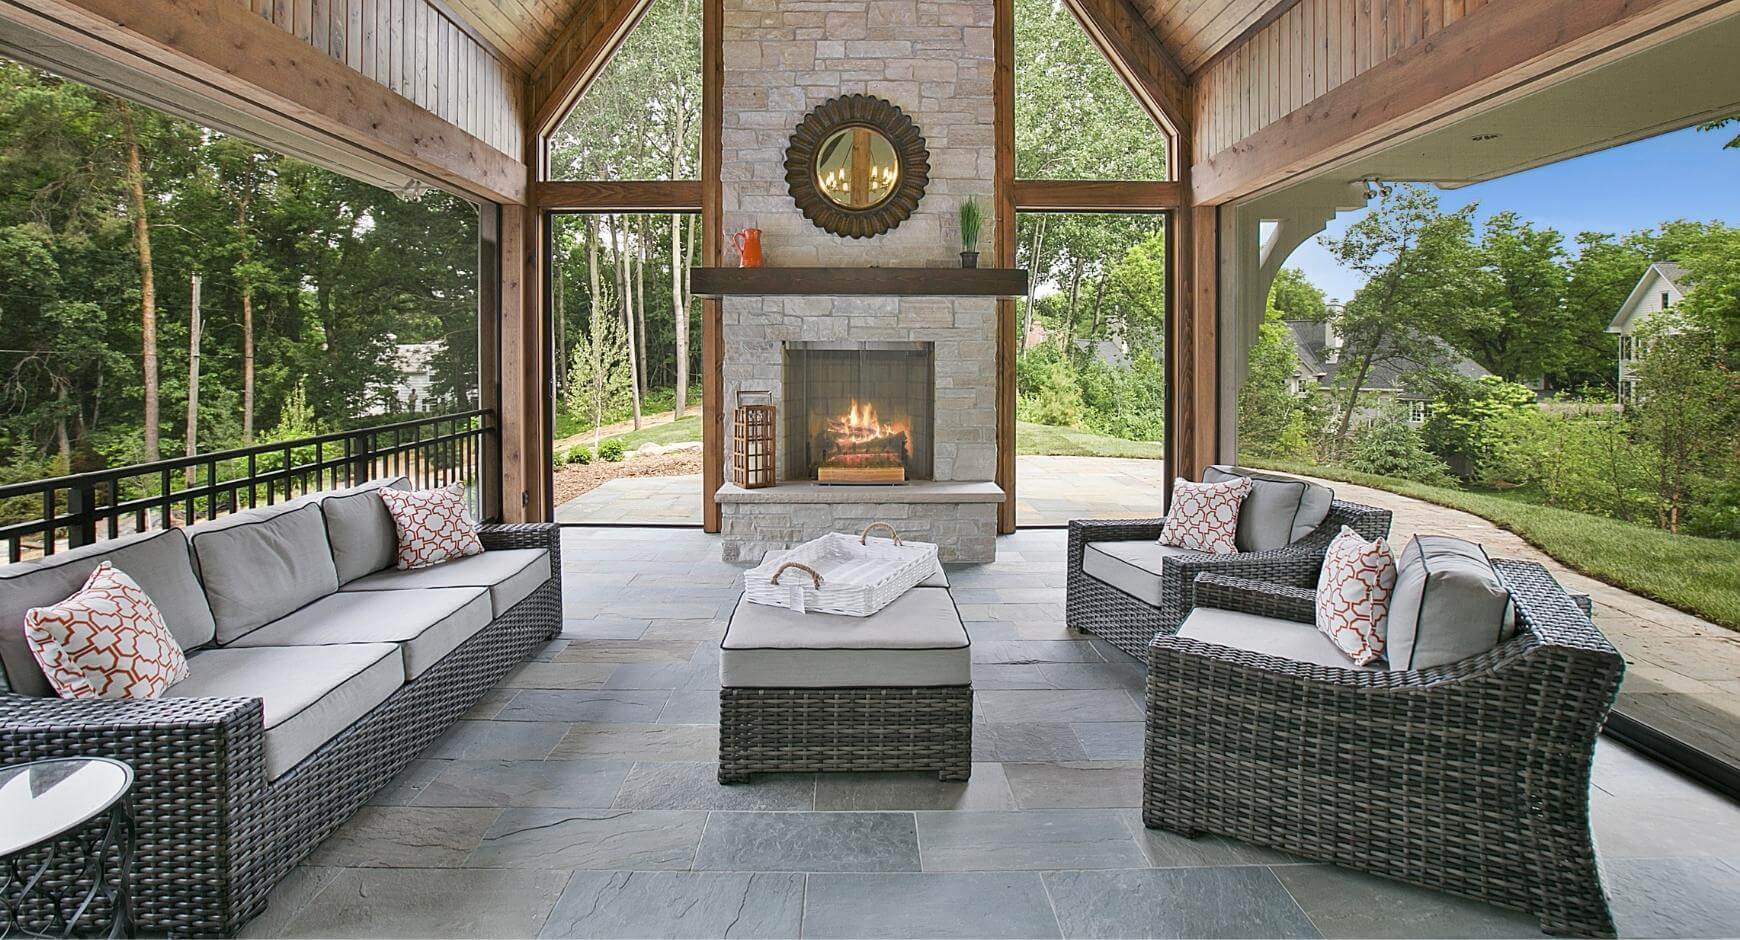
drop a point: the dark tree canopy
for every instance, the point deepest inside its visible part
(334, 274)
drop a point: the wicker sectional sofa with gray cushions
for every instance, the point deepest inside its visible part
(317, 672)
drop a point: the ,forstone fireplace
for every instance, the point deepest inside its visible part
(859, 413)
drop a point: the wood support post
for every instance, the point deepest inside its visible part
(525, 370)
(1003, 235)
(489, 327)
(712, 253)
(1193, 405)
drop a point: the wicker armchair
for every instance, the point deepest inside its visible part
(1471, 778)
(214, 834)
(1128, 623)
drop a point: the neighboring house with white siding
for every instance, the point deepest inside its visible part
(1662, 287)
(413, 388)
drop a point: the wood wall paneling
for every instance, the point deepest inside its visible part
(517, 365)
(541, 388)
(417, 49)
(577, 53)
(1157, 81)
(1303, 50)
(1192, 402)
(519, 30)
(236, 56)
(1196, 30)
(1269, 109)
(489, 260)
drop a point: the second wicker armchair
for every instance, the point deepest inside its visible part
(1126, 588)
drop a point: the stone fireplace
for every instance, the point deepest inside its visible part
(933, 59)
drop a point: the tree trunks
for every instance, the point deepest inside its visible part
(627, 305)
(247, 321)
(1099, 301)
(1353, 397)
(679, 299)
(1032, 282)
(1069, 320)
(679, 316)
(193, 332)
(147, 282)
(1376, 343)
(639, 260)
(559, 317)
(63, 443)
(595, 336)
(619, 247)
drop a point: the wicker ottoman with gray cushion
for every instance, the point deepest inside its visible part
(813, 692)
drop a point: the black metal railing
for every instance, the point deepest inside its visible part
(40, 517)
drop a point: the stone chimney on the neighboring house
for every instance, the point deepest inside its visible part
(1331, 341)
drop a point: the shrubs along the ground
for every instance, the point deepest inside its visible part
(1687, 415)
(1462, 419)
(611, 450)
(1391, 447)
(1669, 461)
(1574, 456)
(1081, 391)
(1669, 458)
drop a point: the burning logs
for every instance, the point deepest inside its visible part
(858, 448)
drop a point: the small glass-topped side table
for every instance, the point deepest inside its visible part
(52, 872)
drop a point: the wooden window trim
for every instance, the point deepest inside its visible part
(1127, 196)
(1134, 196)
(597, 52)
(617, 196)
(1148, 70)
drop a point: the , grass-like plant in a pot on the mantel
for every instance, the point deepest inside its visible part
(972, 221)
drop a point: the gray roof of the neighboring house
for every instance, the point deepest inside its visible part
(1385, 372)
(1673, 272)
(1307, 344)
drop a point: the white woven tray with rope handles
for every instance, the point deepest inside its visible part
(854, 575)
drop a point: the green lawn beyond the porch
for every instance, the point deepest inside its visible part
(1697, 575)
(686, 428)
(1072, 442)
(1029, 439)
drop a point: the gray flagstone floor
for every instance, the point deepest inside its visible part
(578, 800)
(1053, 491)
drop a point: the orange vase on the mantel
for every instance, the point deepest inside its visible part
(748, 245)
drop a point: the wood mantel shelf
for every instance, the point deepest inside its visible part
(859, 282)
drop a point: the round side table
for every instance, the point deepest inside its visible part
(51, 875)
